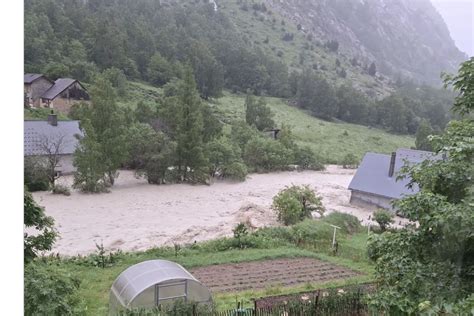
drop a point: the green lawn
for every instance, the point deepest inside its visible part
(96, 282)
(327, 139)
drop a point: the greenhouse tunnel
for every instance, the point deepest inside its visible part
(155, 282)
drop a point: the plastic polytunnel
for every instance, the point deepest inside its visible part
(154, 282)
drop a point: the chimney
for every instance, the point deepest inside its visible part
(391, 168)
(53, 119)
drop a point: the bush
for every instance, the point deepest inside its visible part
(61, 189)
(350, 161)
(240, 231)
(263, 154)
(311, 232)
(50, 291)
(384, 218)
(349, 224)
(294, 204)
(35, 173)
(307, 160)
(235, 171)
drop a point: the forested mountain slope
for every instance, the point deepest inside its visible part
(238, 45)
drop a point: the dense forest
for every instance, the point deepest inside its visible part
(151, 42)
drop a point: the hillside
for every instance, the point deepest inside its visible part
(327, 139)
(276, 33)
(406, 38)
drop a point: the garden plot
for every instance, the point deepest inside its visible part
(270, 273)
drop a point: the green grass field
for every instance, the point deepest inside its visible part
(327, 139)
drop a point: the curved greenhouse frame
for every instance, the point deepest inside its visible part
(154, 282)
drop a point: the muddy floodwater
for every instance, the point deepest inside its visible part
(137, 216)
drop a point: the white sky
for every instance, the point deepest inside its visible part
(459, 16)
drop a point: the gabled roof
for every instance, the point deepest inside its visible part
(38, 133)
(59, 86)
(372, 175)
(29, 78)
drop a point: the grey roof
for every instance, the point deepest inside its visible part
(59, 86)
(137, 278)
(37, 134)
(372, 174)
(29, 78)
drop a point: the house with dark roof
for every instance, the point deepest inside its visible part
(375, 184)
(59, 95)
(52, 137)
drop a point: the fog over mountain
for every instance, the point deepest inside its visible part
(459, 17)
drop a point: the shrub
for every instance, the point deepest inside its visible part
(349, 223)
(61, 189)
(263, 154)
(384, 218)
(350, 161)
(235, 171)
(294, 204)
(50, 291)
(240, 231)
(35, 173)
(311, 232)
(307, 160)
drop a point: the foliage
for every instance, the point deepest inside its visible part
(350, 161)
(240, 231)
(50, 290)
(295, 203)
(431, 265)
(349, 224)
(160, 71)
(152, 153)
(384, 218)
(258, 114)
(35, 174)
(191, 160)
(306, 159)
(225, 160)
(422, 141)
(463, 83)
(118, 80)
(45, 234)
(61, 189)
(102, 149)
(316, 95)
(90, 167)
(263, 154)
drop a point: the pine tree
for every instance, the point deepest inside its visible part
(192, 163)
(108, 125)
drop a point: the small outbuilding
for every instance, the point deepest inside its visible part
(153, 283)
(376, 183)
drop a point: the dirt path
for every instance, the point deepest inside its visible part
(138, 216)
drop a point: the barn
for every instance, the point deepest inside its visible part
(60, 95)
(376, 184)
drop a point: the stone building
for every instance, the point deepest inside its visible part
(59, 95)
(52, 137)
(375, 184)
(34, 87)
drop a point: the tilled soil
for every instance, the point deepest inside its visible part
(263, 274)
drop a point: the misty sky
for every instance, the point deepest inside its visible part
(459, 16)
